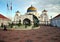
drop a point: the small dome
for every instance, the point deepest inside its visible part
(31, 9)
(17, 12)
(44, 10)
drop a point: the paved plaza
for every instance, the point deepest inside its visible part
(43, 34)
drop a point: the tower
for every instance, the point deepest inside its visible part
(17, 15)
(44, 17)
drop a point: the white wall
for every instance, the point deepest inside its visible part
(4, 21)
(30, 17)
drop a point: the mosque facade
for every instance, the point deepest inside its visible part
(32, 16)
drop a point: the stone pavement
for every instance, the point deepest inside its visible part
(43, 34)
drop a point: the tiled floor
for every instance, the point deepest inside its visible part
(43, 34)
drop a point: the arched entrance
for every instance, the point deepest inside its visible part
(27, 21)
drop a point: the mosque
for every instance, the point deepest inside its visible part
(32, 16)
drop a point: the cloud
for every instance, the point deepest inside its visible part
(52, 6)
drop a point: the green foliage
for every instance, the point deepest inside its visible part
(19, 24)
(11, 25)
(36, 23)
(2, 25)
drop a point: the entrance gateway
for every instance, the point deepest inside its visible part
(27, 21)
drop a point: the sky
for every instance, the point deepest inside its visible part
(52, 6)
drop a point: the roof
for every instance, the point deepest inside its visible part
(57, 16)
(3, 17)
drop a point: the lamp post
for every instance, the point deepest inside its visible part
(51, 21)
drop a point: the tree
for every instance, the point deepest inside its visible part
(12, 24)
(19, 23)
(2, 25)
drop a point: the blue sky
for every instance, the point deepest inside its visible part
(52, 6)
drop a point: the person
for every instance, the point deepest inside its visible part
(5, 28)
(26, 23)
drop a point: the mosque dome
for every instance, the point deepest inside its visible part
(31, 9)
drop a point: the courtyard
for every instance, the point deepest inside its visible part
(42, 34)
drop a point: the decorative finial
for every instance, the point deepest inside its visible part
(31, 5)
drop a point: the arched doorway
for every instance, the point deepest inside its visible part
(27, 21)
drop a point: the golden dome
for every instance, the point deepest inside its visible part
(31, 9)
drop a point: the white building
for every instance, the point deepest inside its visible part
(32, 16)
(4, 20)
(44, 19)
(56, 21)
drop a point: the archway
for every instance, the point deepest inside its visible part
(27, 21)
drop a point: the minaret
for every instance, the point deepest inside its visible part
(44, 11)
(17, 15)
(44, 16)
